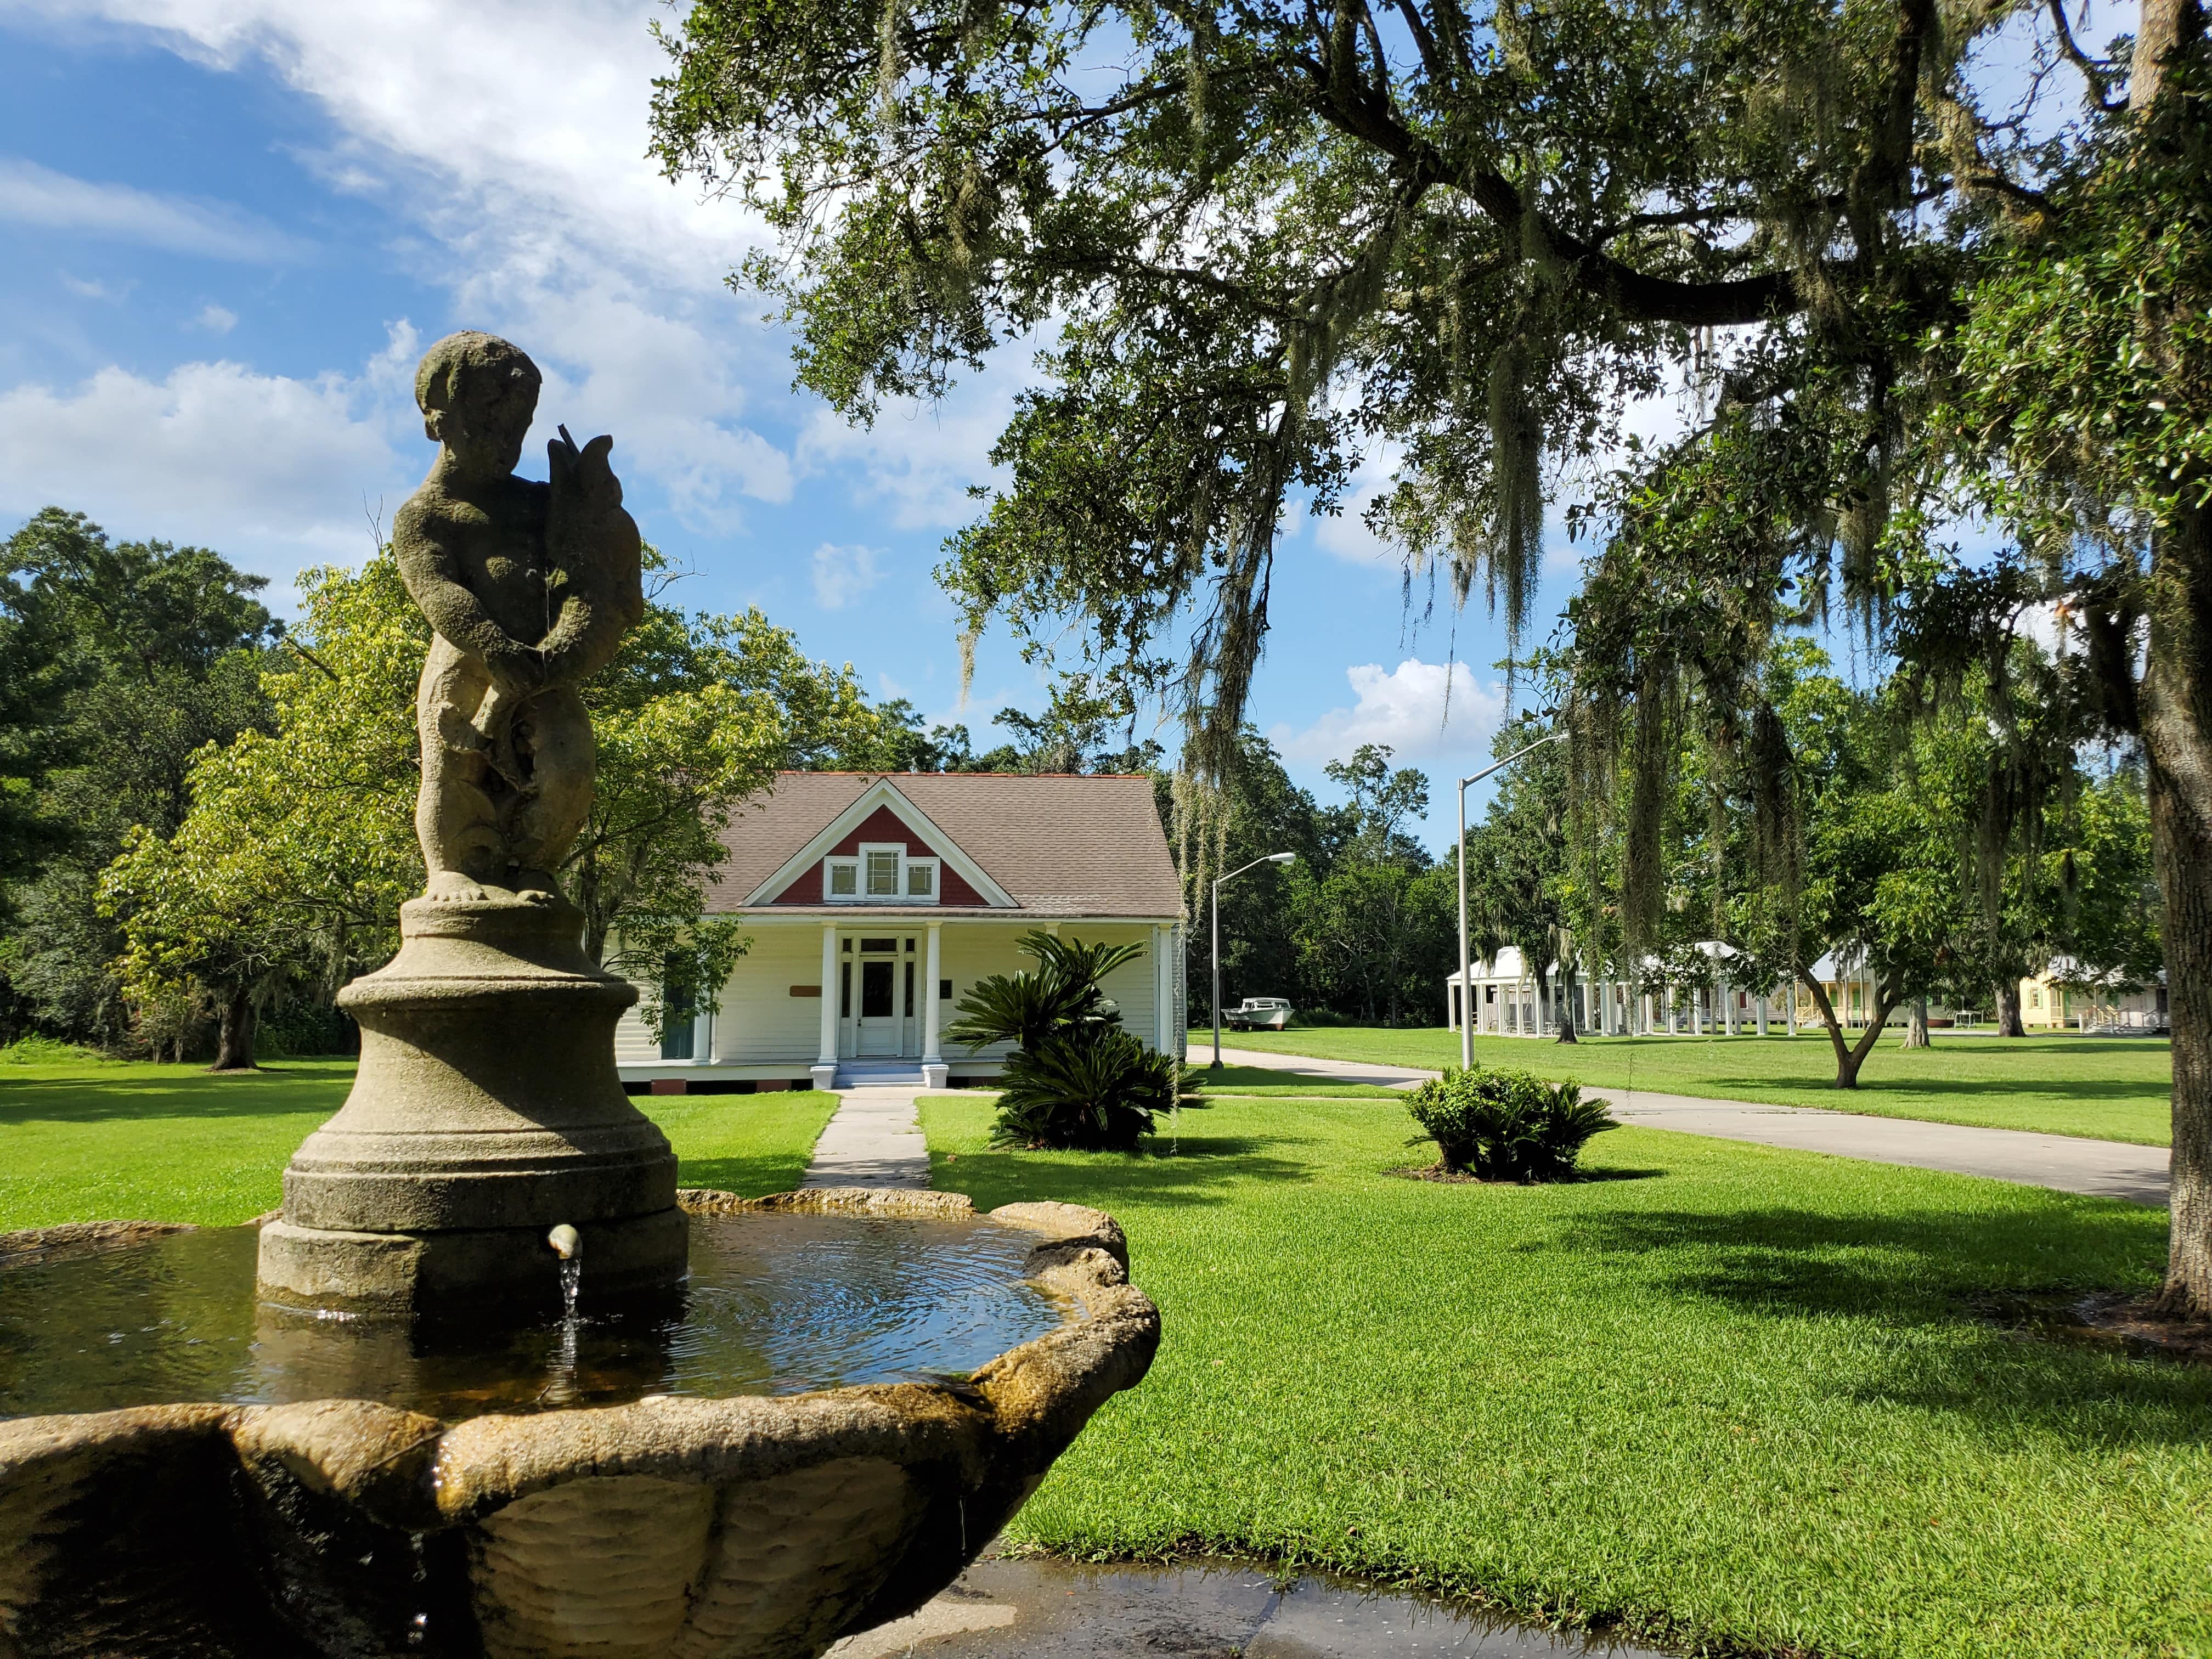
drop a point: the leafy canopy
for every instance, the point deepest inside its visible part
(1260, 238)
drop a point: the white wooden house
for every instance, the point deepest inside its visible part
(1507, 1001)
(874, 901)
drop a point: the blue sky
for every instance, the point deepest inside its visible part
(233, 225)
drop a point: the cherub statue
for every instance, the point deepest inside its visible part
(531, 587)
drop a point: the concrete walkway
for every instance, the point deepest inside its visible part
(2067, 1163)
(1045, 1609)
(872, 1140)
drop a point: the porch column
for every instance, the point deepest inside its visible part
(1764, 997)
(933, 1069)
(824, 1069)
(1162, 989)
(1728, 1008)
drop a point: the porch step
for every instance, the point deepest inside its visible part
(879, 1074)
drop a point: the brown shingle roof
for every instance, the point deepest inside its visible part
(1061, 846)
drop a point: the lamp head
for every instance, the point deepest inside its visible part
(1280, 858)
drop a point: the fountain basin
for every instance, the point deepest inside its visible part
(760, 1525)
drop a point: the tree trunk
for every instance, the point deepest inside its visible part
(1916, 1031)
(2163, 29)
(1850, 1056)
(2177, 731)
(2008, 1000)
(233, 1040)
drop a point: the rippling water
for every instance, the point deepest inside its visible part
(774, 1304)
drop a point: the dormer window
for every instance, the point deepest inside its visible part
(880, 874)
(882, 864)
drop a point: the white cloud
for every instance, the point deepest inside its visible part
(842, 574)
(1422, 710)
(512, 133)
(1346, 534)
(216, 320)
(920, 460)
(36, 196)
(525, 119)
(89, 288)
(275, 471)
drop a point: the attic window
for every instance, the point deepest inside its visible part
(879, 872)
(882, 864)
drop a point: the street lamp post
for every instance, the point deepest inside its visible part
(1272, 858)
(1466, 991)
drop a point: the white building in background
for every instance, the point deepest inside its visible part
(1508, 1002)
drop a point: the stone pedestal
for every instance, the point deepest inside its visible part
(487, 1111)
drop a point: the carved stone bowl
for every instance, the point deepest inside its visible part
(677, 1527)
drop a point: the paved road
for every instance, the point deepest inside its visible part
(2069, 1163)
(1343, 1071)
(872, 1140)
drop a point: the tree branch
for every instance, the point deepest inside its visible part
(2098, 72)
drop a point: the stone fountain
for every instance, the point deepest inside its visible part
(487, 1144)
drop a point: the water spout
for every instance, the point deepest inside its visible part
(565, 1242)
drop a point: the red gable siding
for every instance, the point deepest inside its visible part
(883, 827)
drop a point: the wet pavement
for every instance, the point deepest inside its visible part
(1043, 1609)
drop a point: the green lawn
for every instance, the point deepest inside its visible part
(2107, 1088)
(1729, 1394)
(1257, 1082)
(87, 1140)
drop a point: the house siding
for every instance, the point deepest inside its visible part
(881, 827)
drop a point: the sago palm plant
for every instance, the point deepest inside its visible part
(1076, 1080)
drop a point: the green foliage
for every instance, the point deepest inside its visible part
(1275, 236)
(35, 1050)
(1359, 923)
(1099, 1091)
(289, 871)
(1504, 1125)
(1028, 1009)
(119, 661)
(1075, 1079)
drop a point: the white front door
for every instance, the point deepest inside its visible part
(883, 994)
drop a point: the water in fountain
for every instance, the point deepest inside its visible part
(775, 1303)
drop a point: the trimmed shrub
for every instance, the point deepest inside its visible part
(1506, 1126)
(1076, 1081)
(1094, 1093)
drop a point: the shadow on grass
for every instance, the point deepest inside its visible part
(1927, 1270)
(274, 1090)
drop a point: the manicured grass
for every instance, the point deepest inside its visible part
(1729, 1394)
(1255, 1081)
(748, 1144)
(87, 1140)
(2107, 1088)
